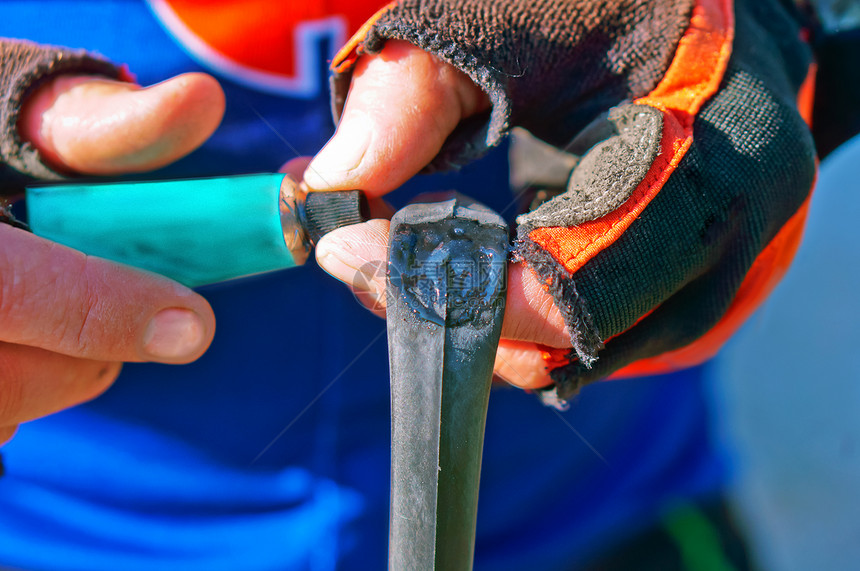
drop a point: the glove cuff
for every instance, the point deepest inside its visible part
(24, 66)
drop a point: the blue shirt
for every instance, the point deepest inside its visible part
(271, 451)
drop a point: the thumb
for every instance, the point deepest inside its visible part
(91, 125)
(402, 105)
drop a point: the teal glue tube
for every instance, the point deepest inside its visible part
(196, 231)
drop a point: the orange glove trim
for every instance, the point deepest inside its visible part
(345, 58)
(766, 271)
(692, 78)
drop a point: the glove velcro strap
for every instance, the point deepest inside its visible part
(692, 78)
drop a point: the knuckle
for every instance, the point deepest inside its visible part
(75, 328)
(82, 304)
(81, 332)
(20, 266)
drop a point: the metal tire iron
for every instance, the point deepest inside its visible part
(446, 292)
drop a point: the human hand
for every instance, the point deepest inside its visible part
(402, 106)
(68, 321)
(691, 186)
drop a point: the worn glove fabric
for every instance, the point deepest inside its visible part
(23, 67)
(676, 225)
(547, 65)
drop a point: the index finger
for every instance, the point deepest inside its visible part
(61, 300)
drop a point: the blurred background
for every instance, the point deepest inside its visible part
(788, 390)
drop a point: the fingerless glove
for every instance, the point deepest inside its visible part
(673, 226)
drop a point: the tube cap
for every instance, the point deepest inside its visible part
(327, 211)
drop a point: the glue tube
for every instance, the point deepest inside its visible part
(196, 231)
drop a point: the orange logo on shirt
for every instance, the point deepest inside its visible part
(271, 45)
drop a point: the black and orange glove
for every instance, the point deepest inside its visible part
(689, 200)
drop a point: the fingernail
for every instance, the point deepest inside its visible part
(173, 333)
(337, 161)
(341, 263)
